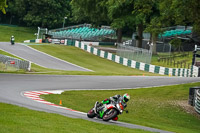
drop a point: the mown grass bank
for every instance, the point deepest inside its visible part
(74, 55)
(20, 33)
(79, 57)
(164, 107)
(14, 119)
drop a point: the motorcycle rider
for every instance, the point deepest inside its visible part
(124, 99)
(12, 40)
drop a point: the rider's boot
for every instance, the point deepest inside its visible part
(115, 119)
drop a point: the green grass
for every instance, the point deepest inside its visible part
(20, 33)
(158, 107)
(8, 54)
(188, 59)
(79, 57)
(14, 119)
(9, 69)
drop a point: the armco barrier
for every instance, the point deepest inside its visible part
(17, 63)
(193, 72)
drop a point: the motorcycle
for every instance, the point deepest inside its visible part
(12, 41)
(107, 111)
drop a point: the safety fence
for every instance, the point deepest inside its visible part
(194, 98)
(193, 72)
(16, 63)
(134, 53)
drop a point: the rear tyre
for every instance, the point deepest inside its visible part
(112, 114)
(91, 113)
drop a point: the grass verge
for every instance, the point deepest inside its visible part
(79, 57)
(20, 33)
(8, 54)
(164, 107)
(170, 64)
(14, 119)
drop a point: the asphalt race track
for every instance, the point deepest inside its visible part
(39, 58)
(12, 87)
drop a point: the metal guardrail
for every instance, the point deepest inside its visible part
(194, 98)
(14, 62)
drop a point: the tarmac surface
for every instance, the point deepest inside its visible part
(39, 58)
(13, 86)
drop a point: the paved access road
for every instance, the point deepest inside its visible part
(12, 87)
(39, 58)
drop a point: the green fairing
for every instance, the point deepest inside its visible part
(101, 113)
(105, 102)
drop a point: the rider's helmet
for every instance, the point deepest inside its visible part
(126, 97)
(12, 36)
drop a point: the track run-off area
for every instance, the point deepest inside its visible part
(24, 89)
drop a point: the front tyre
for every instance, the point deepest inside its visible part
(111, 114)
(91, 113)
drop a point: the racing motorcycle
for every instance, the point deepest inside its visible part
(12, 40)
(107, 111)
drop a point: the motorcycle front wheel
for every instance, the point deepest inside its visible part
(91, 113)
(110, 115)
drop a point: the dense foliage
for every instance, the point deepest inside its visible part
(3, 6)
(45, 13)
(137, 15)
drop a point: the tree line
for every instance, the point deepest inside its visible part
(45, 13)
(138, 15)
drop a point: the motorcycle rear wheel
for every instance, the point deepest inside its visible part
(91, 113)
(111, 115)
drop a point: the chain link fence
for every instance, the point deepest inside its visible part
(16, 63)
(162, 47)
(134, 53)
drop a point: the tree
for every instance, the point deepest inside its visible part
(93, 11)
(120, 15)
(176, 43)
(3, 6)
(116, 13)
(154, 27)
(181, 12)
(142, 11)
(46, 13)
(154, 24)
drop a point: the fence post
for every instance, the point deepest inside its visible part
(29, 66)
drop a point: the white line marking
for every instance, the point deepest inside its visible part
(55, 57)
